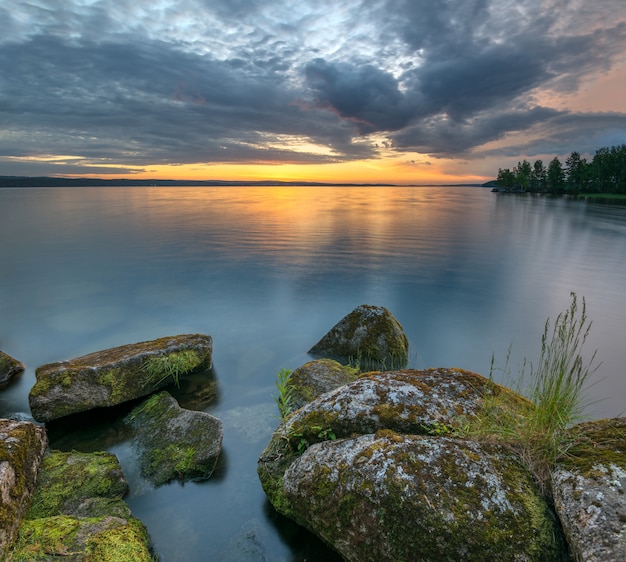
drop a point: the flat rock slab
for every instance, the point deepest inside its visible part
(112, 376)
(589, 489)
(22, 446)
(9, 367)
(369, 336)
(172, 442)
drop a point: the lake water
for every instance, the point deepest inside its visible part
(266, 272)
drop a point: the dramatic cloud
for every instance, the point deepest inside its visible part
(112, 86)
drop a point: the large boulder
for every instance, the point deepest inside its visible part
(174, 443)
(369, 336)
(112, 376)
(9, 367)
(78, 513)
(589, 490)
(22, 446)
(376, 470)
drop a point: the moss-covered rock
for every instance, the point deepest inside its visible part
(316, 378)
(589, 490)
(369, 336)
(9, 367)
(400, 497)
(74, 483)
(376, 468)
(172, 442)
(22, 446)
(78, 513)
(112, 376)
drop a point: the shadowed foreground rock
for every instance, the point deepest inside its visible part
(374, 469)
(9, 367)
(78, 513)
(112, 376)
(174, 443)
(589, 489)
(22, 446)
(370, 336)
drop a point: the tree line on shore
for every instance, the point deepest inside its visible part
(605, 173)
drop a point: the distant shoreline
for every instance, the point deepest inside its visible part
(46, 181)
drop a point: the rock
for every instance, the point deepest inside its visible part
(22, 446)
(78, 512)
(116, 375)
(9, 367)
(369, 336)
(589, 490)
(174, 443)
(316, 378)
(398, 497)
(374, 469)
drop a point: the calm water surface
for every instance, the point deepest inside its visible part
(266, 272)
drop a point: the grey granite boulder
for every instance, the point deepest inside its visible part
(78, 513)
(369, 336)
(375, 468)
(22, 446)
(172, 442)
(112, 376)
(316, 378)
(9, 367)
(589, 489)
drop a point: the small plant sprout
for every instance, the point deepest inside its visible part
(285, 389)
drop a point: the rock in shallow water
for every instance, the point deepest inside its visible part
(112, 376)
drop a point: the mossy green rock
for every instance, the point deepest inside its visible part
(375, 469)
(9, 367)
(172, 442)
(589, 490)
(78, 513)
(316, 378)
(22, 446)
(369, 336)
(112, 376)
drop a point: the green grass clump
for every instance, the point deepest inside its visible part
(173, 366)
(285, 390)
(539, 429)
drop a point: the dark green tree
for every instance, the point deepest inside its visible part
(576, 173)
(539, 176)
(556, 176)
(523, 173)
(506, 178)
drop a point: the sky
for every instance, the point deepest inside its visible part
(399, 91)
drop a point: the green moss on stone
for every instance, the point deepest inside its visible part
(66, 479)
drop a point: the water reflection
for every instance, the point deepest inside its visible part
(266, 272)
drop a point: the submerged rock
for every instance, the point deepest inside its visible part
(316, 378)
(174, 443)
(78, 513)
(374, 468)
(22, 446)
(589, 490)
(112, 376)
(9, 367)
(369, 336)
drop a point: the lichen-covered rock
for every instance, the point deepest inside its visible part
(399, 497)
(112, 376)
(172, 442)
(374, 468)
(22, 446)
(78, 513)
(589, 489)
(370, 336)
(9, 367)
(316, 378)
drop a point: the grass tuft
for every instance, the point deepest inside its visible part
(555, 389)
(285, 390)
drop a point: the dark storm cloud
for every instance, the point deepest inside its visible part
(140, 83)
